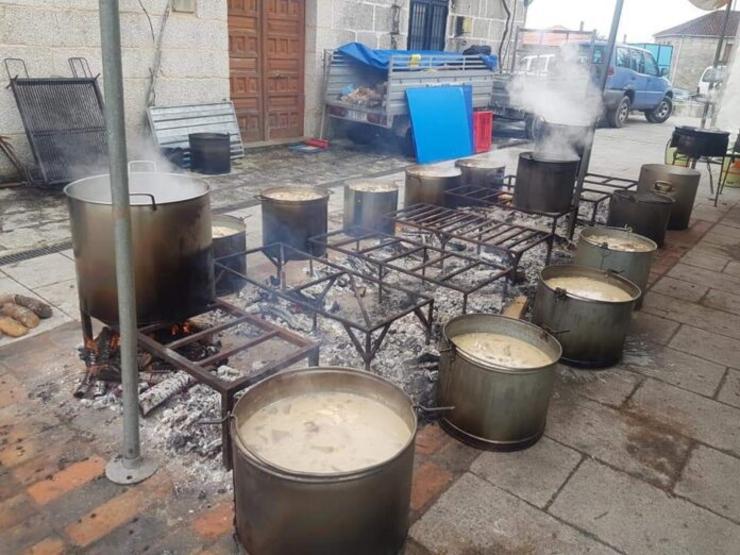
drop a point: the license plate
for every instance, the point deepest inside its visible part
(354, 115)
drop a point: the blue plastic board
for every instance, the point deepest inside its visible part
(441, 124)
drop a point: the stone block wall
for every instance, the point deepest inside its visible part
(194, 64)
(691, 56)
(384, 24)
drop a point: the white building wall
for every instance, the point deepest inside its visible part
(45, 33)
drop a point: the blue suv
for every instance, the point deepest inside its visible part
(634, 83)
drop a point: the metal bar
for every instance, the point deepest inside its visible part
(223, 355)
(110, 37)
(717, 55)
(176, 344)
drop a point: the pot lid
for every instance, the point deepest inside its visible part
(144, 187)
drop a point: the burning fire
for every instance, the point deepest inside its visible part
(186, 328)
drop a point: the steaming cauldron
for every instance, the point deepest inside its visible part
(171, 232)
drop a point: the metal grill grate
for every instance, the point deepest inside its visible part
(64, 123)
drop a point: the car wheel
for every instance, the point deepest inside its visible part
(619, 115)
(661, 112)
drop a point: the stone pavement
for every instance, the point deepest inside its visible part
(643, 457)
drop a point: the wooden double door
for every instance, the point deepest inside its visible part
(266, 61)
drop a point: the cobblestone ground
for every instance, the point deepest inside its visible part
(642, 457)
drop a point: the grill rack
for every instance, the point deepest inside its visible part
(200, 370)
(602, 187)
(470, 227)
(280, 255)
(353, 243)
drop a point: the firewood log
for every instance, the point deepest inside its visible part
(12, 327)
(40, 308)
(21, 314)
(158, 394)
(6, 298)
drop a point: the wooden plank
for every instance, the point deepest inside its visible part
(516, 308)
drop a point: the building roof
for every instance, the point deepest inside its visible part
(709, 25)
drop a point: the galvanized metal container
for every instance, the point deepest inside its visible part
(481, 172)
(367, 205)
(494, 407)
(644, 213)
(429, 184)
(279, 512)
(634, 263)
(545, 184)
(171, 234)
(228, 246)
(684, 183)
(294, 221)
(591, 332)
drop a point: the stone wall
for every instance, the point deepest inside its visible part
(384, 24)
(691, 56)
(45, 33)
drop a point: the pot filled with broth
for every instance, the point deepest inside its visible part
(495, 378)
(323, 459)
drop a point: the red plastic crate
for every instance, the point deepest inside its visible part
(482, 131)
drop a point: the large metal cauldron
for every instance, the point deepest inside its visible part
(229, 239)
(626, 253)
(644, 213)
(695, 142)
(171, 232)
(482, 172)
(591, 332)
(495, 407)
(367, 205)
(279, 512)
(684, 184)
(551, 137)
(429, 184)
(292, 215)
(544, 184)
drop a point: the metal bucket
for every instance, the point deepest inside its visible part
(644, 213)
(171, 236)
(294, 221)
(591, 332)
(544, 184)
(210, 153)
(429, 184)
(235, 241)
(684, 183)
(367, 205)
(633, 264)
(495, 407)
(280, 512)
(481, 172)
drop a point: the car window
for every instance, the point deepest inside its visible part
(651, 67)
(623, 58)
(637, 61)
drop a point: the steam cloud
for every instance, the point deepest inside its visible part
(566, 96)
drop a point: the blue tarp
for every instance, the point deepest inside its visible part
(380, 59)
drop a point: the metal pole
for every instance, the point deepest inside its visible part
(717, 55)
(588, 147)
(128, 467)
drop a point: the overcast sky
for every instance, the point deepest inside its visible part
(640, 18)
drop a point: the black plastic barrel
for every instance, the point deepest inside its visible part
(210, 153)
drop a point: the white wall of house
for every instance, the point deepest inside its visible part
(45, 33)
(691, 56)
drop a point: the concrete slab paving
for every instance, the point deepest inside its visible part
(708, 278)
(730, 391)
(733, 267)
(721, 300)
(693, 314)
(708, 480)
(677, 368)
(535, 474)
(63, 296)
(688, 414)
(654, 453)
(679, 289)
(707, 256)
(474, 516)
(708, 345)
(652, 327)
(43, 270)
(638, 518)
(610, 387)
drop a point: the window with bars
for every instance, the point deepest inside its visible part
(427, 24)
